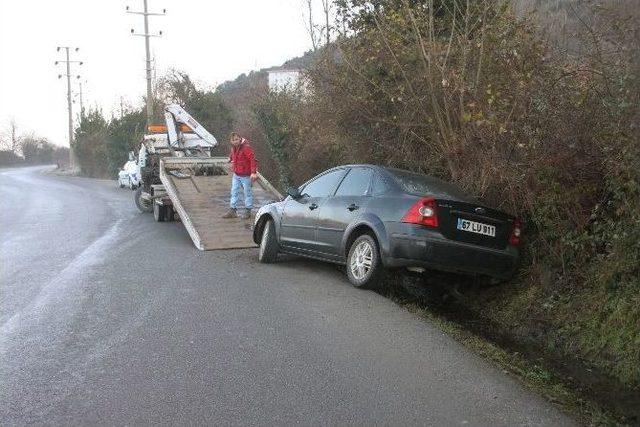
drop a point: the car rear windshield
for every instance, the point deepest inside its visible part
(423, 185)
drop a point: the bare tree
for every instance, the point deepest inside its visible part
(12, 140)
(326, 8)
(4, 142)
(311, 27)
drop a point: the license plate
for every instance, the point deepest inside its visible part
(476, 227)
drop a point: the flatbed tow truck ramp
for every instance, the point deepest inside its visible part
(198, 189)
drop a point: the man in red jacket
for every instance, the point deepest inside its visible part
(245, 171)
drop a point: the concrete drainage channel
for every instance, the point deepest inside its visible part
(591, 395)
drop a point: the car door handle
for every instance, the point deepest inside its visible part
(313, 206)
(352, 207)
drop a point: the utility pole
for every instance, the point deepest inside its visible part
(73, 161)
(147, 35)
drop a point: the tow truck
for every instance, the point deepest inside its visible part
(181, 180)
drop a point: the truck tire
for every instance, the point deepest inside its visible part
(159, 212)
(169, 214)
(143, 205)
(268, 244)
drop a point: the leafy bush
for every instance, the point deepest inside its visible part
(89, 144)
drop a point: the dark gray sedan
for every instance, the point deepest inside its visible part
(371, 217)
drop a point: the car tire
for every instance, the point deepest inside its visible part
(143, 205)
(268, 244)
(364, 267)
(159, 212)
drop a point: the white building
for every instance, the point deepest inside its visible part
(286, 79)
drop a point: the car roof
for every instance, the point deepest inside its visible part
(441, 188)
(356, 165)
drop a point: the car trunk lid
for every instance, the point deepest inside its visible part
(474, 223)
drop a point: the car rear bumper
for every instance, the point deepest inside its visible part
(431, 250)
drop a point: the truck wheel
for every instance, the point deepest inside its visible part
(169, 214)
(268, 244)
(159, 212)
(363, 263)
(145, 206)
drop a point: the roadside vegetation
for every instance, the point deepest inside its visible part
(20, 149)
(534, 118)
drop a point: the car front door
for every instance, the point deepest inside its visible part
(299, 217)
(339, 211)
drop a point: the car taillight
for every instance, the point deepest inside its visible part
(423, 212)
(516, 231)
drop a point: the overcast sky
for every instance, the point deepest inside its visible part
(213, 41)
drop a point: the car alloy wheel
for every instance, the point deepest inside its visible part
(263, 241)
(268, 245)
(364, 267)
(361, 260)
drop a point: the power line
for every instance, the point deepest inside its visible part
(72, 156)
(147, 36)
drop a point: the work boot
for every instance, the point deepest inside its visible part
(231, 213)
(246, 214)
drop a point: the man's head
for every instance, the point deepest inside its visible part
(235, 139)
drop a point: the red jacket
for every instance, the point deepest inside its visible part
(243, 159)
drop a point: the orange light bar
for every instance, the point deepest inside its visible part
(163, 128)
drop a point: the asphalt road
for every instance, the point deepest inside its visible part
(110, 318)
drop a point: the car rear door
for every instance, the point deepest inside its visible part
(340, 210)
(299, 218)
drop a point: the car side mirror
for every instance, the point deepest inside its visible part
(294, 193)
